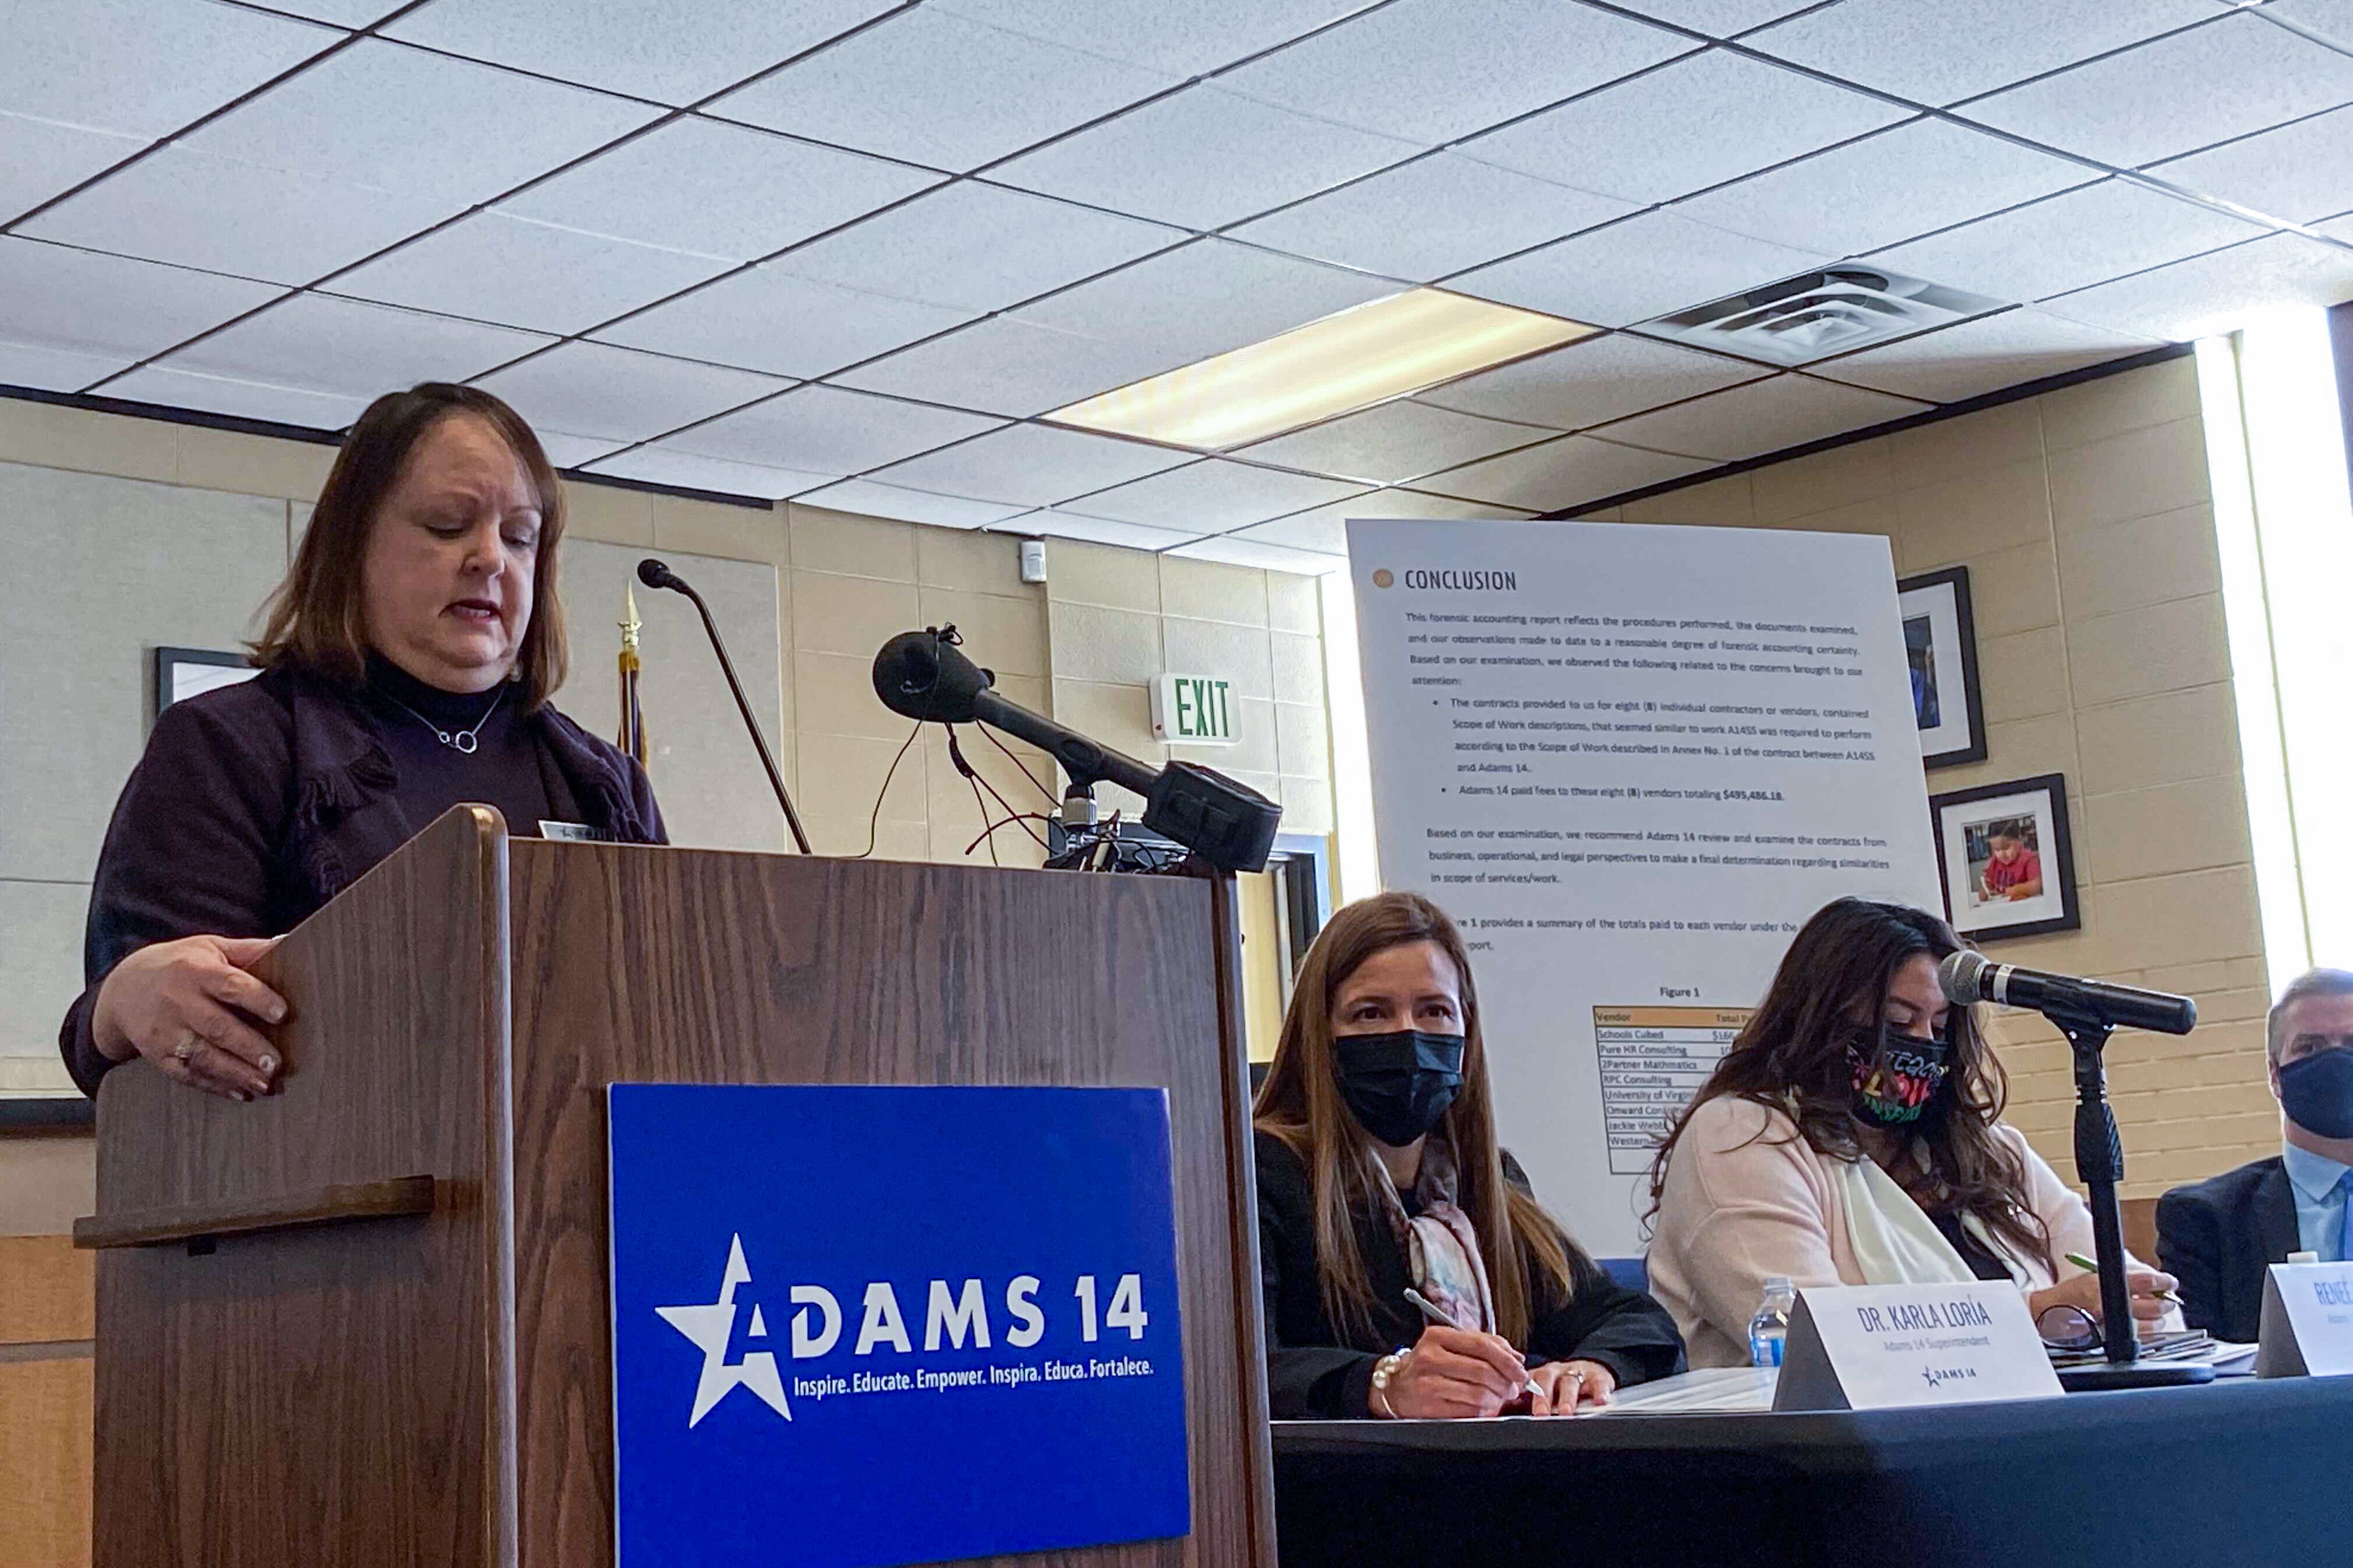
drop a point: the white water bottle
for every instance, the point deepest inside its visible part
(1768, 1331)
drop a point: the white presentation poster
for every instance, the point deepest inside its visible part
(1630, 760)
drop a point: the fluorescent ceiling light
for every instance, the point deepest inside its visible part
(1353, 360)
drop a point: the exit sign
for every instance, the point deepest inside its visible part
(1194, 710)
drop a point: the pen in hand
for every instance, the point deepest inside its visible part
(1428, 1309)
(2080, 1261)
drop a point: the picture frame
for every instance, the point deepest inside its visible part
(1940, 645)
(2006, 858)
(185, 672)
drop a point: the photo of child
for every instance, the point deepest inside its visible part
(2005, 859)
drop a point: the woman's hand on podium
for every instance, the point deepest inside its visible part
(1455, 1374)
(1565, 1387)
(188, 1006)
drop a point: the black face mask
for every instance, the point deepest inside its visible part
(1400, 1084)
(1897, 1088)
(2317, 1092)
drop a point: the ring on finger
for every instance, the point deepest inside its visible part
(187, 1045)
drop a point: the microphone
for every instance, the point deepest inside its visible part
(922, 676)
(653, 573)
(1967, 977)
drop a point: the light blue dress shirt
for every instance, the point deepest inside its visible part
(2320, 1201)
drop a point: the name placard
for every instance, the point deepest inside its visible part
(2307, 1322)
(1885, 1347)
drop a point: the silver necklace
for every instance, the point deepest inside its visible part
(459, 739)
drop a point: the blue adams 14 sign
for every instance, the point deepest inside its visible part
(855, 1327)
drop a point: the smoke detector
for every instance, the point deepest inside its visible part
(1816, 314)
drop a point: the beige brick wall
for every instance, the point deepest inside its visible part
(2084, 519)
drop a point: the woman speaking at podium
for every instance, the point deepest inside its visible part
(1852, 1135)
(1380, 1181)
(406, 661)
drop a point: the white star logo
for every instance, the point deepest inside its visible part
(710, 1328)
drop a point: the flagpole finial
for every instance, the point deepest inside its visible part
(629, 622)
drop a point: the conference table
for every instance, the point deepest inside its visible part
(2238, 1471)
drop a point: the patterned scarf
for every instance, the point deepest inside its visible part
(1440, 1245)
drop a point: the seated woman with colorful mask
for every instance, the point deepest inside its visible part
(1380, 1181)
(1852, 1135)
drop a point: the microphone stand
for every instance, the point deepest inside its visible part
(670, 579)
(2100, 1161)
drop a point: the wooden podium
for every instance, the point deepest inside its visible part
(365, 1320)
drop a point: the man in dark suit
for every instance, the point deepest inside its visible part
(2218, 1236)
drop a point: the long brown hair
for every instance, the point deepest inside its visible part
(317, 618)
(1301, 1103)
(1792, 1056)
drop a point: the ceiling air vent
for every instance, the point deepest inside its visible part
(1817, 313)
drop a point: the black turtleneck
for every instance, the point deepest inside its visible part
(504, 769)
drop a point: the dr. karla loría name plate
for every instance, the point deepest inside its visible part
(862, 1326)
(1886, 1347)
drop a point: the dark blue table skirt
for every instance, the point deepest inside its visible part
(2235, 1472)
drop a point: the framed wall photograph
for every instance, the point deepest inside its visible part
(2007, 861)
(183, 672)
(1940, 644)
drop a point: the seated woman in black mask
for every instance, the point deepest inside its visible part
(1378, 1172)
(1852, 1135)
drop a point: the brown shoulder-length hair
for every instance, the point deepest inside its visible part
(317, 619)
(1792, 1056)
(1526, 1251)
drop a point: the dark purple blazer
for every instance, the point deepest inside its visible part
(256, 804)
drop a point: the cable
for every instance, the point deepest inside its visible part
(979, 782)
(874, 821)
(1052, 798)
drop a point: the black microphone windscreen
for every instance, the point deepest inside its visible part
(919, 676)
(654, 574)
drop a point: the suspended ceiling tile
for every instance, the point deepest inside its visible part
(1569, 471)
(1104, 530)
(1763, 416)
(1647, 265)
(1034, 464)
(522, 274)
(52, 296)
(1211, 496)
(340, 13)
(769, 319)
(1669, 133)
(45, 158)
(1324, 529)
(143, 68)
(972, 246)
(245, 399)
(907, 506)
(321, 343)
(1238, 550)
(1204, 299)
(2302, 172)
(937, 89)
(404, 119)
(2332, 18)
(1202, 159)
(1586, 383)
(55, 370)
(1939, 51)
(1178, 40)
(2185, 91)
(718, 190)
(1393, 442)
(1433, 216)
(2217, 293)
(565, 450)
(1432, 70)
(197, 209)
(1986, 354)
(1925, 176)
(662, 464)
(2068, 241)
(590, 389)
(828, 429)
(1719, 18)
(1009, 366)
(674, 51)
